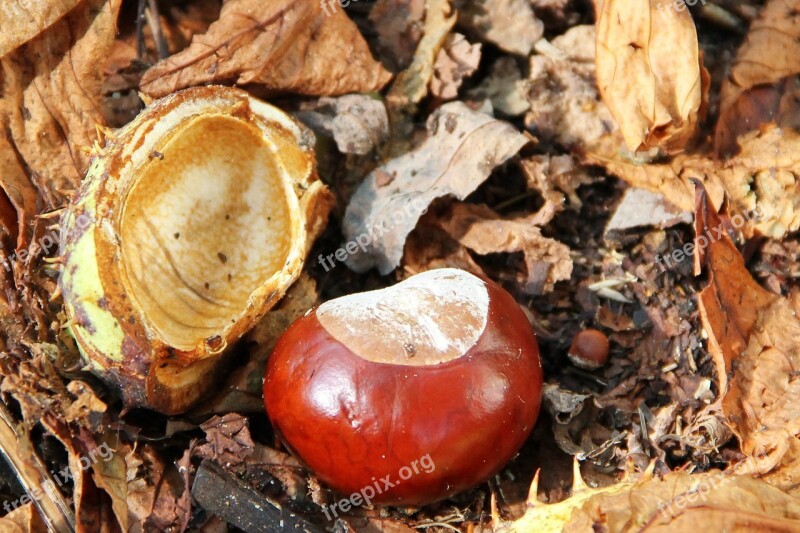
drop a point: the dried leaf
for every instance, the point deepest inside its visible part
(411, 85)
(648, 72)
(358, 123)
(463, 148)
(284, 45)
(754, 339)
(228, 440)
(22, 20)
(482, 230)
(565, 103)
(556, 176)
(640, 207)
(770, 53)
(23, 519)
(505, 88)
(456, 60)
(777, 103)
(714, 501)
(399, 27)
(429, 247)
(509, 24)
(52, 103)
(761, 180)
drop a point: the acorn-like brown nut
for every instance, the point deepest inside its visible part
(191, 223)
(409, 394)
(589, 349)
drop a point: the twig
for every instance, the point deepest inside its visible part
(18, 450)
(154, 21)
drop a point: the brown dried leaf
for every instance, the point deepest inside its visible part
(509, 24)
(22, 20)
(411, 85)
(482, 230)
(556, 176)
(754, 338)
(763, 179)
(565, 104)
(770, 53)
(228, 440)
(429, 247)
(456, 60)
(777, 103)
(714, 501)
(504, 87)
(52, 103)
(463, 148)
(762, 84)
(731, 303)
(23, 519)
(357, 122)
(399, 27)
(648, 72)
(283, 45)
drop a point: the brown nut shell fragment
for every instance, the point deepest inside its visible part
(190, 225)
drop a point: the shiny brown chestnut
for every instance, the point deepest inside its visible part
(410, 394)
(589, 349)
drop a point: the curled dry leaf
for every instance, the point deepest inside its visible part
(463, 148)
(22, 20)
(714, 501)
(555, 176)
(51, 106)
(283, 45)
(228, 440)
(456, 60)
(482, 230)
(509, 24)
(411, 85)
(762, 179)
(564, 101)
(761, 86)
(754, 338)
(648, 72)
(357, 122)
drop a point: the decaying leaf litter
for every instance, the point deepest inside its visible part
(508, 134)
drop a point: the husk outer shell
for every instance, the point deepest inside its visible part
(112, 332)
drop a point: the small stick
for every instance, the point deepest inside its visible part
(32, 474)
(235, 502)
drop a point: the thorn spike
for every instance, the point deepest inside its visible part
(578, 485)
(533, 498)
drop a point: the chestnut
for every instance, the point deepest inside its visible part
(589, 349)
(408, 394)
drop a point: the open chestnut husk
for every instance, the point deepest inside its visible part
(441, 369)
(191, 223)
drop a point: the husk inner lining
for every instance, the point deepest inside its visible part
(206, 224)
